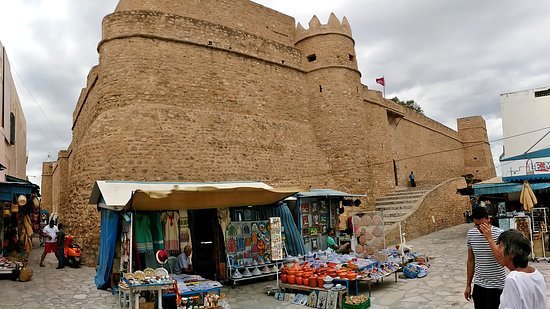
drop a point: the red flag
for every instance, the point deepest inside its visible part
(381, 81)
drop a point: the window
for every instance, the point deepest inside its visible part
(12, 129)
(311, 57)
(542, 93)
(351, 57)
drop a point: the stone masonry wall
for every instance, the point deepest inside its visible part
(219, 91)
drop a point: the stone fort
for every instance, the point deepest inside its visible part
(228, 90)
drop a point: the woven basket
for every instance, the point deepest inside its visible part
(25, 275)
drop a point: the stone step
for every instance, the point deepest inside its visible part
(393, 220)
(396, 201)
(406, 207)
(407, 193)
(395, 213)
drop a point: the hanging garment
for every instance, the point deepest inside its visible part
(156, 231)
(171, 230)
(144, 238)
(184, 231)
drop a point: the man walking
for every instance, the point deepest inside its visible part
(412, 180)
(50, 246)
(60, 246)
(482, 267)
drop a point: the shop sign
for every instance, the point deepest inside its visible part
(537, 166)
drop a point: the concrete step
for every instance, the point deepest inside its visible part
(395, 213)
(407, 193)
(406, 207)
(396, 201)
(392, 220)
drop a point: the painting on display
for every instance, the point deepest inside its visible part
(276, 239)
(248, 240)
(368, 233)
(305, 208)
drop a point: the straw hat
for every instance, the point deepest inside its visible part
(21, 200)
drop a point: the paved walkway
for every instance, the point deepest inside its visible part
(442, 288)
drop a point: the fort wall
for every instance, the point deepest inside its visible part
(227, 91)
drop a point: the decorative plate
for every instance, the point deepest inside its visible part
(129, 276)
(139, 275)
(161, 272)
(149, 272)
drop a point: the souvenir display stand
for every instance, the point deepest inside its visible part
(523, 224)
(295, 287)
(316, 215)
(540, 232)
(248, 245)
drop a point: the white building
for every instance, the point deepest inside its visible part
(526, 128)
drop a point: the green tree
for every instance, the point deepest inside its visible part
(410, 104)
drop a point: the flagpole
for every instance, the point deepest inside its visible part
(384, 79)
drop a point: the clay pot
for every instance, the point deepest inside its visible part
(307, 274)
(299, 273)
(284, 270)
(306, 281)
(320, 281)
(292, 272)
(299, 280)
(352, 275)
(284, 278)
(313, 281)
(291, 279)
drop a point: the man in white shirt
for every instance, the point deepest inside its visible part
(524, 287)
(184, 260)
(50, 245)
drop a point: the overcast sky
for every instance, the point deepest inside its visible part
(452, 57)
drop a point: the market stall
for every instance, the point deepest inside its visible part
(20, 222)
(138, 218)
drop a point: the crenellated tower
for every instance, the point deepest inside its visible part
(333, 86)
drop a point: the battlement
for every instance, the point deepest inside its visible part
(333, 26)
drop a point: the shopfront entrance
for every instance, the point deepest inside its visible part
(207, 240)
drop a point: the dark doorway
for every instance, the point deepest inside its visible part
(206, 241)
(395, 172)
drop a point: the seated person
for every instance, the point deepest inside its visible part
(345, 248)
(184, 260)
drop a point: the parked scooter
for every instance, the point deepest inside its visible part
(72, 252)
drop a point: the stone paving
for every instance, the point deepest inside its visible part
(442, 288)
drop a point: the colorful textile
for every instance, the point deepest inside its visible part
(156, 231)
(171, 231)
(144, 238)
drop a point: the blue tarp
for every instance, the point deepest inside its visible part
(107, 243)
(294, 242)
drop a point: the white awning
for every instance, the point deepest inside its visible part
(118, 195)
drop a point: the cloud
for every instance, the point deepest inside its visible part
(453, 57)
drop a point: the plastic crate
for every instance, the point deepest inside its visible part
(363, 305)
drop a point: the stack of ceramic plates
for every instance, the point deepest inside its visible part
(149, 272)
(274, 269)
(265, 270)
(256, 271)
(161, 272)
(237, 274)
(328, 285)
(255, 263)
(247, 273)
(328, 279)
(339, 287)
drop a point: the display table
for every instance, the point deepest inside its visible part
(132, 290)
(370, 280)
(287, 286)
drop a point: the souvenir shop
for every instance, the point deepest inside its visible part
(139, 220)
(20, 222)
(516, 205)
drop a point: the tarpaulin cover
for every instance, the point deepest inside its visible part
(294, 242)
(107, 243)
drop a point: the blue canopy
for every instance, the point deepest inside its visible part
(505, 187)
(107, 243)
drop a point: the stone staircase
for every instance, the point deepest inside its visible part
(398, 204)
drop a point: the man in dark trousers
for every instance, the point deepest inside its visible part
(60, 246)
(411, 179)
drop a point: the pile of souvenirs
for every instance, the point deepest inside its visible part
(9, 264)
(193, 283)
(157, 276)
(256, 267)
